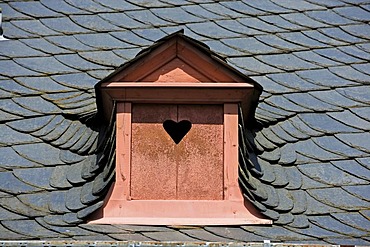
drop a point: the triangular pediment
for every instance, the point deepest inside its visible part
(177, 58)
(162, 72)
(176, 70)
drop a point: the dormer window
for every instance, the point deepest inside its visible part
(176, 138)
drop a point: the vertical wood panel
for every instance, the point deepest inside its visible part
(232, 190)
(153, 167)
(200, 153)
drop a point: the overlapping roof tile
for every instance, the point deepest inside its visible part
(307, 167)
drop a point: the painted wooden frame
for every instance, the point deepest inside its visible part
(177, 71)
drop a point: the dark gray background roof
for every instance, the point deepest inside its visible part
(312, 141)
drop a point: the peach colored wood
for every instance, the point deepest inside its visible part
(175, 212)
(176, 70)
(199, 156)
(185, 84)
(123, 152)
(153, 164)
(149, 63)
(231, 149)
(211, 66)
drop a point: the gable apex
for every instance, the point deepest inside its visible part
(178, 51)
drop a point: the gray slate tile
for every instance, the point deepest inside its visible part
(356, 140)
(48, 127)
(339, 34)
(10, 13)
(123, 20)
(40, 153)
(42, 84)
(69, 43)
(11, 69)
(119, 6)
(148, 18)
(41, 180)
(337, 55)
(62, 7)
(225, 10)
(131, 38)
(324, 77)
(310, 149)
(34, 27)
(360, 30)
(94, 23)
(13, 204)
(204, 235)
(211, 30)
(268, 6)
(168, 236)
(242, 7)
(314, 58)
(176, 15)
(63, 25)
(88, 5)
(271, 86)
(102, 41)
(250, 46)
(29, 228)
(260, 25)
(316, 35)
(353, 167)
(30, 125)
(10, 235)
(354, 13)
(284, 103)
(336, 226)
(252, 65)
(337, 197)
(329, 17)
(34, 9)
(291, 80)
(14, 88)
(278, 21)
(47, 65)
(322, 122)
(275, 41)
(14, 186)
(77, 62)
(38, 201)
(57, 202)
(73, 201)
(302, 39)
(78, 81)
(329, 174)
(201, 12)
(9, 137)
(355, 220)
(146, 4)
(15, 48)
(42, 45)
(286, 62)
(300, 5)
(309, 102)
(58, 178)
(350, 119)
(11, 107)
(361, 191)
(335, 98)
(356, 93)
(37, 104)
(237, 27)
(350, 74)
(10, 159)
(13, 32)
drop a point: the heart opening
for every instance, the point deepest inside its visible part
(177, 130)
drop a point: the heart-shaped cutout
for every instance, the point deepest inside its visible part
(177, 130)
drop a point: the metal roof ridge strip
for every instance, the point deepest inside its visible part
(154, 243)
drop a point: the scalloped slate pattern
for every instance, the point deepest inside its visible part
(304, 163)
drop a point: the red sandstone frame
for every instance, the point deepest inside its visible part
(232, 210)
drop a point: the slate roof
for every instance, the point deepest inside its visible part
(306, 161)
